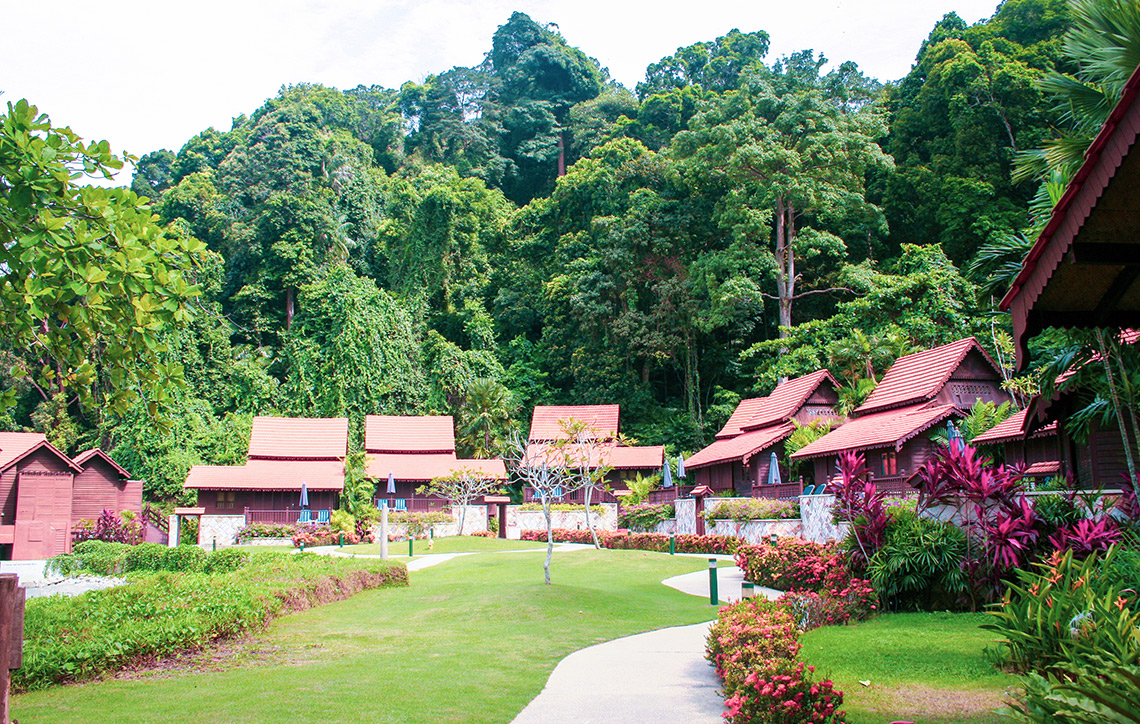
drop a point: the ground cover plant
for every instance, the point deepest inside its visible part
(923, 667)
(644, 517)
(753, 509)
(174, 604)
(446, 649)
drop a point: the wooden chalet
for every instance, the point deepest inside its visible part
(918, 393)
(43, 494)
(1036, 451)
(739, 457)
(285, 453)
(1083, 271)
(625, 462)
(414, 450)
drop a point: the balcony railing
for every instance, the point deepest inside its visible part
(783, 491)
(575, 497)
(415, 505)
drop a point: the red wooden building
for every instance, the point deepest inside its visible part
(1038, 451)
(740, 456)
(43, 494)
(284, 454)
(918, 393)
(414, 450)
(625, 462)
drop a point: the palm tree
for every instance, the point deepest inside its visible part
(484, 417)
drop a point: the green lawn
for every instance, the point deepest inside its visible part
(451, 544)
(922, 667)
(472, 640)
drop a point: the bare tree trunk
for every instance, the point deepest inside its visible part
(561, 154)
(589, 521)
(462, 515)
(549, 537)
(1124, 436)
(288, 308)
(783, 281)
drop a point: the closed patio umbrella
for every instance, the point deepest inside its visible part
(304, 495)
(954, 437)
(774, 471)
(666, 476)
(680, 466)
(391, 484)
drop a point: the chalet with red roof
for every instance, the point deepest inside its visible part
(918, 393)
(1037, 451)
(624, 461)
(285, 454)
(43, 494)
(740, 456)
(414, 450)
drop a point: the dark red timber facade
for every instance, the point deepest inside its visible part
(739, 458)
(44, 493)
(284, 454)
(414, 450)
(918, 393)
(1036, 451)
(625, 462)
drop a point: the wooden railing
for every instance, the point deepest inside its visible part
(414, 505)
(665, 495)
(575, 497)
(279, 517)
(783, 491)
(154, 516)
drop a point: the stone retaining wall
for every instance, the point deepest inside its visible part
(220, 530)
(520, 520)
(756, 531)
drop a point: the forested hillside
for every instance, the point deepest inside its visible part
(530, 231)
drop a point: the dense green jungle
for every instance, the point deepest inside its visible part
(528, 230)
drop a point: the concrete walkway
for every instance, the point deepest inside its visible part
(659, 676)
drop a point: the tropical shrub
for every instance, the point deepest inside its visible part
(785, 693)
(144, 557)
(858, 500)
(1064, 612)
(266, 530)
(342, 521)
(644, 516)
(226, 560)
(417, 524)
(91, 556)
(1101, 695)
(321, 535)
(753, 509)
(919, 565)
(109, 528)
(1086, 537)
(70, 639)
(747, 635)
(789, 564)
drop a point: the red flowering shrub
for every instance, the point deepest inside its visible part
(790, 564)
(754, 645)
(684, 543)
(323, 535)
(785, 694)
(482, 534)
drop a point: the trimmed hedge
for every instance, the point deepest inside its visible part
(685, 542)
(71, 639)
(112, 559)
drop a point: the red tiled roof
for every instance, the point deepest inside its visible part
(422, 467)
(619, 457)
(741, 447)
(82, 459)
(299, 438)
(269, 475)
(1012, 428)
(1050, 467)
(15, 446)
(787, 399)
(920, 376)
(545, 424)
(877, 430)
(409, 434)
(745, 410)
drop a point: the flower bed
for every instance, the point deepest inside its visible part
(753, 509)
(324, 535)
(266, 530)
(645, 516)
(564, 508)
(69, 639)
(754, 646)
(684, 543)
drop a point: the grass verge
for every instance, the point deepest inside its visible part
(472, 640)
(923, 667)
(451, 544)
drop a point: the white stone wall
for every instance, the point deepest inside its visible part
(219, 529)
(268, 542)
(686, 512)
(520, 520)
(474, 520)
(815, 512)
(756, 531)
(665, 527)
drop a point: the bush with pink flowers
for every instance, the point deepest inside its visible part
(625, 540)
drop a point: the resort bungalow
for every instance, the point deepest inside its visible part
(739, 458)
(406, 452)
(286, 455)
(1036, 451)
(43, 494)
(919, 392)
(1083, 272)
(606, 449)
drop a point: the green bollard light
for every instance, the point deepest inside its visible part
(215, 544)
(747, 590)
(302, 546)
(410, 554)
(714, 599)
(672, 544)
(342, 540)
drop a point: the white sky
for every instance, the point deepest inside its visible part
(151, 74)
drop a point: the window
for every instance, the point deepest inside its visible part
(889, 464)
(225, 499)
(967, 393)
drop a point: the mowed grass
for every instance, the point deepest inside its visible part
(472, 640)
(451, 544)
(928, 668)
